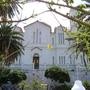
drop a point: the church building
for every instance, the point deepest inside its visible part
(44, 48)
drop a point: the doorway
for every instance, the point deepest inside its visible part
(36, 61)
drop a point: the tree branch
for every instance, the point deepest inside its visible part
(21, 20)
(71, 18)
(71, 7)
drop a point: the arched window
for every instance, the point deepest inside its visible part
(36, 61)
(61, 38)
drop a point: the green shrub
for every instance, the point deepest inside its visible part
(37, 84)
(4, 72)
(57, 74)
(86, 85)
(62, 87)
(15, 76)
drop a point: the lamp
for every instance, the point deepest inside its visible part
(78, 85)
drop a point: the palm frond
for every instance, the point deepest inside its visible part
(8, 8)
(11, 41)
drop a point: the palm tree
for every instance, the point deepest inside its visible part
(10, 43)
(8, 8)
(81, 42)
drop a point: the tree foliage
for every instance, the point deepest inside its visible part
(62, 87)
(8, 8)
(11, 43)
(81, 40)
(81, 37)
(4, 75)
(57, 74)
(15, 76)
(86, 85)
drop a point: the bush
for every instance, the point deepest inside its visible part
(57, 74)
(62, 87)
(4, 75)
(15, 76)
(37, 84)
(86, 85)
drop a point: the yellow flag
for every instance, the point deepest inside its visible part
(49, 46)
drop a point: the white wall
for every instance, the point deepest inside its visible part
(47, 56)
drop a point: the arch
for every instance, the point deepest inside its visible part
(36, 61)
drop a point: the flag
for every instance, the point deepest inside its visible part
(49, 46)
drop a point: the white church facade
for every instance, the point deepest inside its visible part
(44, 48)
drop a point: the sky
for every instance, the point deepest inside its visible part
(49, 18)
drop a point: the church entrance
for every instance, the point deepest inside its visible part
(36, 61)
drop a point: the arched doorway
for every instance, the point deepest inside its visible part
(36, 61)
